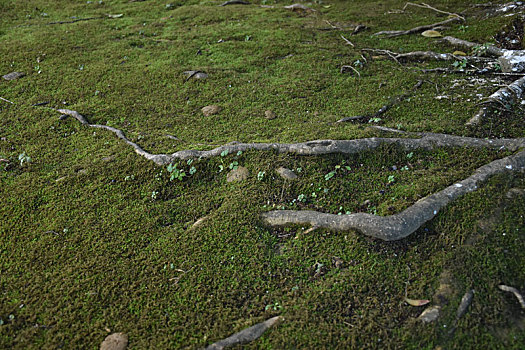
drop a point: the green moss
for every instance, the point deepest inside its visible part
(94, 236)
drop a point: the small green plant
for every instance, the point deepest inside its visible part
(480, 50)
(154, 195)
(260, 175)
(24, 158)
(275, 307)
(234, 165)
(176, 173)
(301, 198)
(375, 120)
(460, 64)
(129, 178)
(329, 175)
(410, 155)
(391, 179)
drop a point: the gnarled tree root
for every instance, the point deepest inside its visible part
(489, 49)
(506, 96)
(401, 225)
(246, 335)
(319, 147)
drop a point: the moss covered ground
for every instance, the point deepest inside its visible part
(96, 239)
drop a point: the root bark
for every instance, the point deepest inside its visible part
(318, 147)
(401, 225)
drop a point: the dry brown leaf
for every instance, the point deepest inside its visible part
(431, 34)
(417, 302)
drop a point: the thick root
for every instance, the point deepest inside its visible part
(398, 226)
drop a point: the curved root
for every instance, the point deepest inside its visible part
(401, 225)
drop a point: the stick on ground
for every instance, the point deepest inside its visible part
(420, 29)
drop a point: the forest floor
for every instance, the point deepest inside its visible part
(97, 239)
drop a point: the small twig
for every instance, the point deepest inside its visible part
(3, 99)
(388, 53)
(394, 33)
(234, 2)
(426, 6)
(75, 20)
(359, 28)
(385, 108)
(515, 292)
(343, 69)
(347, 41)
(332, 25)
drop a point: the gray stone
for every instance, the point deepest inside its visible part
(430, 314)
(270, 115)
(13, 75)
(239, 174)
(195, 74)
(512, 61)
(286, 173)
(115, 341)
(210, 110)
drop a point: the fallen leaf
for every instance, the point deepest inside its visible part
(116, 16)
(459, 53)
(417, 302)
(431, 34)
(246, 335)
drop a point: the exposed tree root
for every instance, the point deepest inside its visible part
(428, 56)
(398, 226)
(515, 292)
(394, 33)
(246, 335)
(506, 96)
(388, 228)
(318, 147)
(385, 108)
(489, 49)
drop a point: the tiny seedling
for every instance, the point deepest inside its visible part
(260, 175)
(24, 158)
(275, 306)
(176, 173)
(391, 179)
(460, 64)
